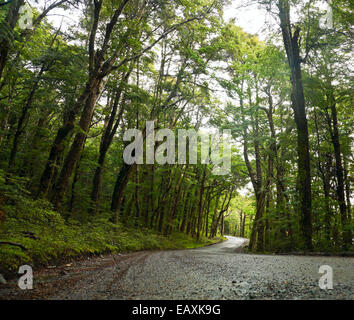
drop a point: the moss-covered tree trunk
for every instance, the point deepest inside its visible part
(292, 46)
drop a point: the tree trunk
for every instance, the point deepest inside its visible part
(260, 200)
(200, 207)
(224, 208)
(120, 185)
(256, 178)
(8, 24)
(22, 119)
(213, 222)
(76, 148)
(292, 47)
(346, 228)
(208, 199)
(176, 199)
(324, 173)
(347, 192)
(47, 178)
(106, 141)
(98, 69)
(222, 225)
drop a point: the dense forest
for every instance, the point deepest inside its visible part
(69, 93)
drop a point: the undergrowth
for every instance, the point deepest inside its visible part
(49, 239)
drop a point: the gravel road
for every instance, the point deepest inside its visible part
(213, 272)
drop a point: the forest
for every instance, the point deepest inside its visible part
(70, 90)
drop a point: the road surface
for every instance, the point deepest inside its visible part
(212, 272)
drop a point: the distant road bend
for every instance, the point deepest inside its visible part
(212, 272)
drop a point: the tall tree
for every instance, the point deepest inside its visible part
(292, 43)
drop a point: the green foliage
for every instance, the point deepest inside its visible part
(49, 239)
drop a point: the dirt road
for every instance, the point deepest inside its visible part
(213, 272)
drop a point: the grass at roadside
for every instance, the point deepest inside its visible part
(49, 239)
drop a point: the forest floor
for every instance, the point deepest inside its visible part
(212, 272)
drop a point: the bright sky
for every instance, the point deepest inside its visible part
(250, 18)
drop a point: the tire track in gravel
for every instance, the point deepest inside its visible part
(105, 281)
